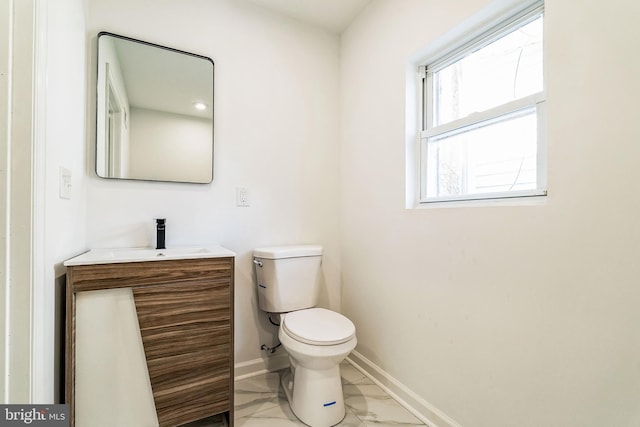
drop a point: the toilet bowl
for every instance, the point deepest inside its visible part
(317, 340)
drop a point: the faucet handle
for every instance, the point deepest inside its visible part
(160, 230)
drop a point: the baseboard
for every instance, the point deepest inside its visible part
(426, 412)
(260, 366)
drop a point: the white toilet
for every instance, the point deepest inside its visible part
(316, 339)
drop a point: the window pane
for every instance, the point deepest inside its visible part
(505, 70)
(494, 157)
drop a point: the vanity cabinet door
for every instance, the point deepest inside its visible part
(185, 331)
(184, 317)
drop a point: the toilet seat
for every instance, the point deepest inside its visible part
(318, 326)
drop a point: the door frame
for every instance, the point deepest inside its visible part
(25, 358)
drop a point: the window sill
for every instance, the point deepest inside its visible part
(522, 198)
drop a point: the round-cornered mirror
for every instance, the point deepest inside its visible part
(154, 113)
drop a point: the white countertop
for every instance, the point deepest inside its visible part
(120, 255)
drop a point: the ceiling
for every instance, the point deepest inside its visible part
(137, 59)
(334, 15)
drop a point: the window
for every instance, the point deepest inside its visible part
(483, 115)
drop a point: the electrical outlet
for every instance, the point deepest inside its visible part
(242, 197)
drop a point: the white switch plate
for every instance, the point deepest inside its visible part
(242, 197)
(65, 183)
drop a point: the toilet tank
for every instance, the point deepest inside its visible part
(288, 277)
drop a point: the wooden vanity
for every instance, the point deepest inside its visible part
(174, 316)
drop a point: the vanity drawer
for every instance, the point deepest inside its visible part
(130, 274)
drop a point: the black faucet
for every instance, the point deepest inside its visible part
(160, 226)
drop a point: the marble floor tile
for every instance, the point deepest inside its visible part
(280, 415)
(261, 403)
(374, 406)
(352, 375)
(256, 394)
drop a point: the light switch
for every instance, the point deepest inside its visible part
(65, 183)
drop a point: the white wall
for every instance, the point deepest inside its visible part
(63, 127)
(508, 315)
(276, 132)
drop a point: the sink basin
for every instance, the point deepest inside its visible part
(119, 255)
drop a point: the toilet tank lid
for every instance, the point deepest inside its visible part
(278, 252)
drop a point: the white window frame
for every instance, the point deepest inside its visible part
(473, 42)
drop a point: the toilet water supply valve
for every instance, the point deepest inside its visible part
(265, 347)
(268, 349)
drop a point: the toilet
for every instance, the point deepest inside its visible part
(316, 339)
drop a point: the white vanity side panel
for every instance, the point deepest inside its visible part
(112, 379)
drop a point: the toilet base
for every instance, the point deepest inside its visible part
(315, 396)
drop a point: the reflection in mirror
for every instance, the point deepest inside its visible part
(154, 113)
